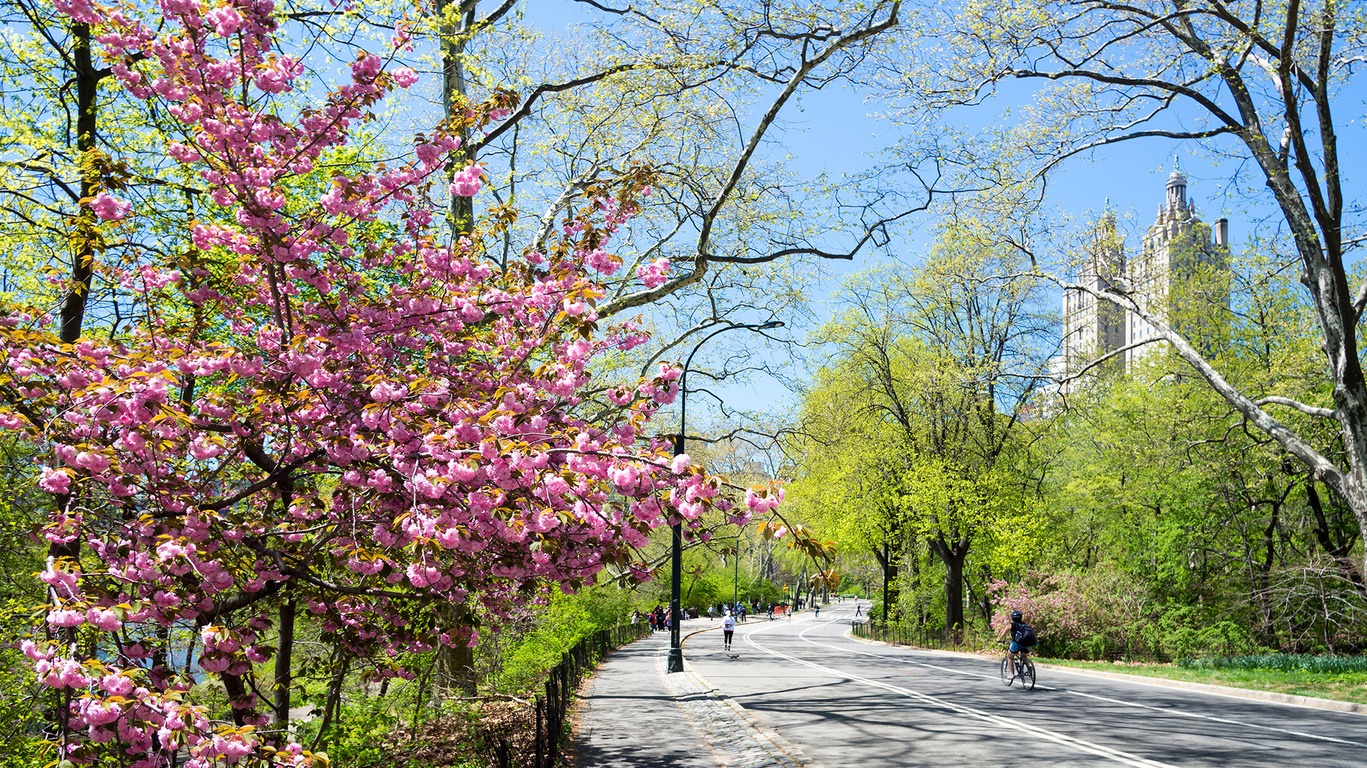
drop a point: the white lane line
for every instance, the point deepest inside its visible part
(1137, 705)
(1114, 755)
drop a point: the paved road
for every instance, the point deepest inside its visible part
(849, 703)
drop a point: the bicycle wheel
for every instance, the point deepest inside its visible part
(1006, 672)
(1028, 674)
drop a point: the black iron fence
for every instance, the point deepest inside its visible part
(552, 705)
(920, 637)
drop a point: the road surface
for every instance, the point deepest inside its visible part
(848, 703)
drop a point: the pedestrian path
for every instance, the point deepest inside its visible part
(634, 714)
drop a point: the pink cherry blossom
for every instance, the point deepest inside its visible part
(65, 617)
(653, 274)
(108, 207)
(225, 20)
(103, 619)
(55, 481)
(602, 261)
(381, 420)
(467, 182)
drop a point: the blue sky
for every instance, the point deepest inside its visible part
(834, 131)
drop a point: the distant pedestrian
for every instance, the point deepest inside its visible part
(728, 628)
(710, 615)
(857, 609)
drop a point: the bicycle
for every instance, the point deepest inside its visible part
(1025, 670)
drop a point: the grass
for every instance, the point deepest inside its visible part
(1336, 677)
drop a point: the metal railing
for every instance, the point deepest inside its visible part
(919, 637)
(551, 707)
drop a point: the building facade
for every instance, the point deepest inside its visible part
(1177, 251)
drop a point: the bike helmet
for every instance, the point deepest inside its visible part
(1016, 616)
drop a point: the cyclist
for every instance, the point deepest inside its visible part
(1022, 637)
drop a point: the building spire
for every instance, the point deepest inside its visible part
(1177, 187)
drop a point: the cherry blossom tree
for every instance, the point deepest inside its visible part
(325, 403)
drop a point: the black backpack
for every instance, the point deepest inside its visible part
(1025, 635)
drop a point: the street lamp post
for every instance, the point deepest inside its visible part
(676, 566)
(735, 577)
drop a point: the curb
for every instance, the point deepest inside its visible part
(1288, 699)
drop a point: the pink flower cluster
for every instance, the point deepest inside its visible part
(653, 274)
(381, 421)
(108, 207)
(468, 181)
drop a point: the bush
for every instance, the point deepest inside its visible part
(23, 704)
(1104, 614)
(1096, 647)
(21, 711)
(357, 739)
(372, 732)
(530, 650)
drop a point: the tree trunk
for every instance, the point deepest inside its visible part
(953, 556)
(332, 709)
(284, 660)
(1340, 551)
(239, 700)
(454, 97)
(456, 663)
(984, 602)
(87, 80)
(890, 595)
(1262, 596)
(72, 316)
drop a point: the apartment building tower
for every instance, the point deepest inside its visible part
(1177, 250)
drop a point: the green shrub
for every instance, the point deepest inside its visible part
(376, 732)
(1095, 647)
(1182, 643)
(530, 651)
(357, 740)
(21, 743)
(22, 703)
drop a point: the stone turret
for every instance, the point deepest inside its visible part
(1176, 246)
(1178, 262)
(1177, 190)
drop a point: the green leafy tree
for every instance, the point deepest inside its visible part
(938, 365)
(1265, 84)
